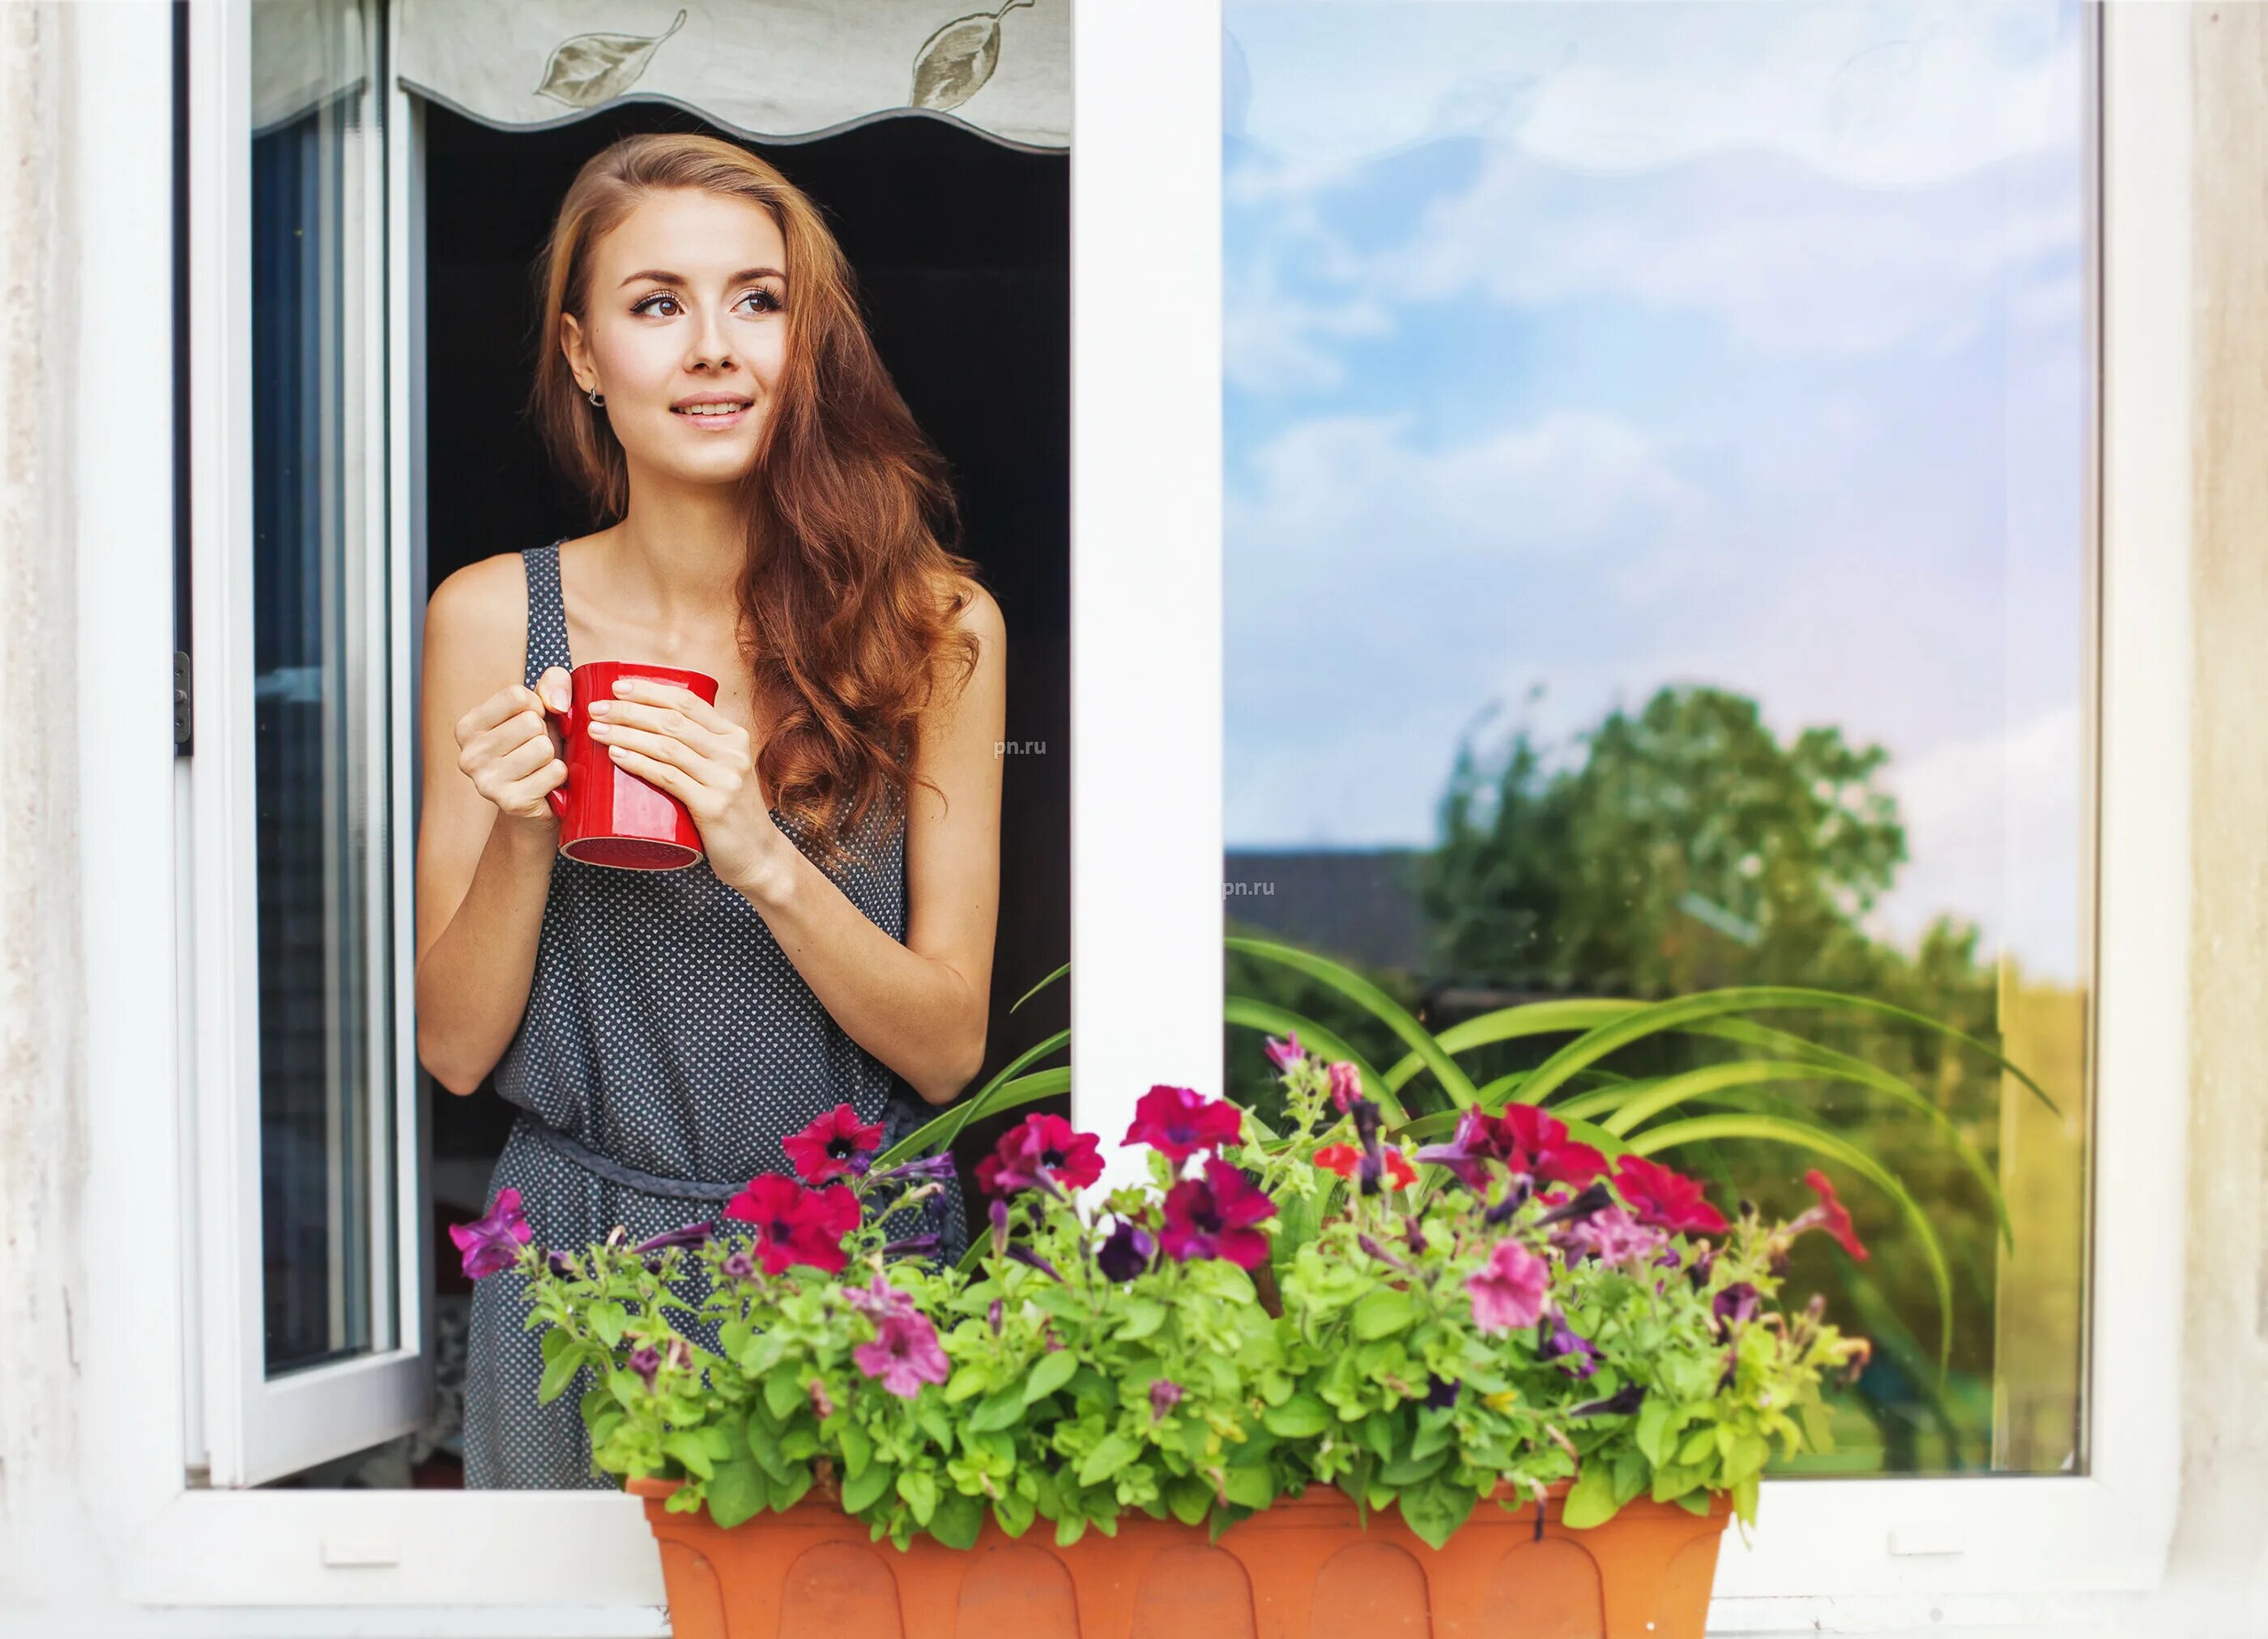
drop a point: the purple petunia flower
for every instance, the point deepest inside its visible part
(1130, 1250)
(1165, 1394)
(1024, 1255)
(691, 1235)
(1507, 1290)
(492, 1244)
(1735, 1305)
(930, 1166)
(1555, 1339)
(912, 1246)
(1440, 1391)
(645, 1360)
(904, 1355)
(1621, 1403)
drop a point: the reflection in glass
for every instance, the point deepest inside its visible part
(318, 689)
(1658, 439)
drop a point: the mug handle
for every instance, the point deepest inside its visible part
(557, 794)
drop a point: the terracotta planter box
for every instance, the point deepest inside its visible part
(1304, 1570)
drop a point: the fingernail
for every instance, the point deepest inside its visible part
(600, 707)
(599, 730)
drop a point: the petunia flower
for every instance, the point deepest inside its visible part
(738, 1265)
(1285, 1056)
(1165, 1394)
(1440, 1391)
(1830, 1214)
(1621, 1403)
(1180, 1121)
(1346, 1161)
(492, 1243)
(1735, 1305)
(691, 1235)
(914, 1245)
(1556, 1339)
(795, 1225)
(1666, 1200)
(1346, 1085)
(1613, 1237)
(1507, 1290)
(1041, 1152)
(646, 1362)
(1024, 1255)
(1524, 1139)
(904, 1355)
(879, 1298)
(837, 1144)
(1130, 1250)
(1566, 1209)
(1212, 1217)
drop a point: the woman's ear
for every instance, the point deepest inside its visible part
(571, 342)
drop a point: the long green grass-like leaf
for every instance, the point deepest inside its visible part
(1671, 1090)
(1803, 1135)
(1036, 988)
(1380, 1006)
(1595, 1045)
(1514, 1023)
(1267, 1016)
(933, 1136)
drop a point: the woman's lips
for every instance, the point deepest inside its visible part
(714, 419)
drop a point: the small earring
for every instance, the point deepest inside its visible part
(598, 397)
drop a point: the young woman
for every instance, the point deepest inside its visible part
(773, 518)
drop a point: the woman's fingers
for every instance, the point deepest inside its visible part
(498, 708)
(668, 776)
(656, 744)
(648, 691)
(557, 686)
(657, 719)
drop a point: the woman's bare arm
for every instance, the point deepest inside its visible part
(484, 861)
(919, 1007)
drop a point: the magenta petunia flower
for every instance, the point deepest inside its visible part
(1040, 1152)
(1524, 1139)
(795, 1225)
(837, 1144)
(492, 1244)
(1507, 1290)
(1285, 1056)
(1668, 1199)
(904, 1355)
(1346, 1085)
(1212, 1217)
(1179, 1121)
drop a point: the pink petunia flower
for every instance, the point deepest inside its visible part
(837, 1144)
(1507, 1290)
(795, 1225)
(1285, 1056)
(1612, 1236)
(1830, 1215)
(904, 1355)
(1179, 1121)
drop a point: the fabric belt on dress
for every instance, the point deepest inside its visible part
(621, 1172)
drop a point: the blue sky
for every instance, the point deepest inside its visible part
(1597, 347)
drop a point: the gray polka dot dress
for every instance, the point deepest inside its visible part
(668, 1046)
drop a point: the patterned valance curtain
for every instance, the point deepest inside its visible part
(771, 69)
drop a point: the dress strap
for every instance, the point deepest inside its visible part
(547, 612)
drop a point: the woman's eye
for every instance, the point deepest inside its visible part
(766, 301)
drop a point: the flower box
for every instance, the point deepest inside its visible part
(1306, 1566)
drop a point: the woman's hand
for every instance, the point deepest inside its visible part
(506, 748)
(669, 736)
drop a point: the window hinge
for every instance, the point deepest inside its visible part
(183, 717)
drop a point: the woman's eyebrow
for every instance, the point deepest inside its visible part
(661, 276)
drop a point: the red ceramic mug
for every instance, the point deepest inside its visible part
(607, 815)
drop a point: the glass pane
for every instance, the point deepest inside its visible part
(320, 692)
(1658, 445)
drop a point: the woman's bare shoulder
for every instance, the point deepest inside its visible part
(476, 620)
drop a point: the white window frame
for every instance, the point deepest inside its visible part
(1147, 936)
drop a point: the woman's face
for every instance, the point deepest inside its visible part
(686, 333)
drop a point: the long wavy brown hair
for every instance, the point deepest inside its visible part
(848, 598)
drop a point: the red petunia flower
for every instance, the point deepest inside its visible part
(795, 1225)
(837, 1144)
(1542, 1149)
(1666, 1200)
(1212, 1217)
(1042, 1152)
(1179, 1121)
(1830, 1214)
(1346, 1161)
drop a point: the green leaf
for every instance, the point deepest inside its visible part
(782, 1393)
(919, 1487)
(1381, 1006)
(1433, 1511)
(868, 1489)
(1006, 1090)
(1048, 1373)
(857, 1450)
(957, 1520)
(1250, 1486)
(737, 1492)
(689, 1448)
(1301, 1417)
(1014, 1511)
(1382, 1314)
(1106, 1459)
(1189, 1497)
(556, 1376)
(1003, 1410)
(608, 1321)
(1143, 1316)
(1591, 1499)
